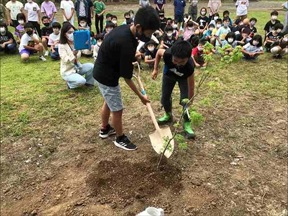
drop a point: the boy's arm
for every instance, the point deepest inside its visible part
(191, 84)
(133, 87)
(158, 57)
(196, 64)
(147, 60)
(10, 41)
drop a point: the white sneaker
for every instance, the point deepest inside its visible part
(46, 53)
(42, 58)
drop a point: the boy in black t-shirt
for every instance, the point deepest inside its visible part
(150, 54)
(271, 23)
(7, 41)
(115, 58)
(178, 68)
(45, 32)
(273, 37)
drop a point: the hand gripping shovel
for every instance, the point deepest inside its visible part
(160, 137)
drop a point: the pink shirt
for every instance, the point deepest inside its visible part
(188, 33)
(48, 8)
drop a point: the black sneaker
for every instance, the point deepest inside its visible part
(106, 132)
(124, 143)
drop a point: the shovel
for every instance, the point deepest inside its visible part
(160, 137)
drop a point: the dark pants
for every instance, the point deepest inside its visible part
(97, 20)
(168, 84)
(15, 23)
(55, 55)
(9, 48)
(36, 26)
(192, 11)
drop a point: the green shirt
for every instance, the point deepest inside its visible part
(99, 7)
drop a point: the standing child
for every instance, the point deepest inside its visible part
(253, 49)
(30, 43)
(214, 6)
(67, 8)
(178, 68)
(115, 58)
(198, 55)
(99, 7)
(48, 9)
(193, 10)
(54, 41)
(45, 32)
(19, 30)
(179, 8)
(271, 23)
(33, 15)
(242, 9)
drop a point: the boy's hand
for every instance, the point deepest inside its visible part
(144, 99)
(154, 74)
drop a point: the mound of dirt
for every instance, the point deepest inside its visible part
(119, 183)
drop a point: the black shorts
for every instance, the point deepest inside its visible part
(179, 18)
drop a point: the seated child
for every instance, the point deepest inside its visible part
(7, 41)
(54, 41)
(168, 38)
(108, 28)
(274, 36)
(230, 39)
(208, 34)
(279, 49)
(214, 18)
(272, 22)
(30, 43)
(163, 21)
(19, 30)
(127, 18)
(222, 32)
(226, 13)
(198, 55)
(252, 27)
(99, 39)
(189, 29)
(45, 32)
(114, 20)
(202, 20)
(150, 54)
(108, 18)
(253, 49)
(83, 25)
(244, 38)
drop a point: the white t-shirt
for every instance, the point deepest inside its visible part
(67, 7)
(26, 40)
(242, 7)
(32, 10)
(251, 48)
(54, 40)
(14, 8)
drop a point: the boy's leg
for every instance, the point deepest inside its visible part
(97, 23)
(11, 48)
(25, 54)
(101, 23)
(87, 70)
(75, 80)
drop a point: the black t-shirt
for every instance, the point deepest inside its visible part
(253, 31)
(202, 21)
(171, 69)
(163, 24)
(272, 37)
(46, 31)
(269, 25)
(115, 56)
(6, 37)
(152, 54)
(168, 41)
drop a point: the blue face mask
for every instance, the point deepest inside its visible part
(142, 37)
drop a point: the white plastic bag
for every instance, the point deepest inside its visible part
(152, 211)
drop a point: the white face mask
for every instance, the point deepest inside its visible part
(216, 17)
(218, 25)
(99, 43)
(175, 26)
(200, 48)
(169, 34)
(70, 36)
(108, 30)
(285, 39)
(83, 24)
(203, 13)
(114, 21)
(252, 23)
(279, 30)
(2, 30)
(151, 49)
(230, 40)
(211, 29)
(274, 17)
(255, 43)
(21, 22)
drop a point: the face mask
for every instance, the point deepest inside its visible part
(70, 36)
(252, 23)
(169, 34)
(189, 28)
(46, 24)
(279, 30)
(211, 29)
(216, 17)
(218, 25)
(29, 32)
(203, 13)
(230, 40)
(142, 37)
(56, 30)
(161, 17)
(200, 48)
(273, 31)
(29, 1)
(274, 17)
(108, 30)
(83, 24)
(2, 30)
(255, 43)
(151, 49)
(114, 21)
(285, 39)
(99, 43)
(175, 26)
(21, 22)
(226, 24)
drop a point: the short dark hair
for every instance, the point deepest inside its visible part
(190, 23)
(126, 14)
(82, 18)
(257, 38)
(110, 25)
(278, 26)
(99, 36)
(203, 8)
(226, 19)
(4, 25)
(21, 16)
(202, 41)
(108, 15)
(28, 25)
(226, 12)
(147, 18)
(181, 49)
(253, 19)
(44, 17)
(56, 25)
(211, 25)
(230, 35)
(219, 20)
(114, 16)
(65, 28)
(274, 13)
(168, 28)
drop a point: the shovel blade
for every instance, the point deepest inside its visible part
(158, 138)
